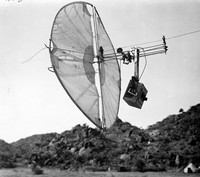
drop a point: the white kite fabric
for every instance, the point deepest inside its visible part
(72, 51)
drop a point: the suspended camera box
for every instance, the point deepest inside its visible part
(137, 97)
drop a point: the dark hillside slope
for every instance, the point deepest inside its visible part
(27, 146)
(6, 155)
(123, 147)
(179, 135)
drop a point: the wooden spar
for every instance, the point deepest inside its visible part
(97, 59)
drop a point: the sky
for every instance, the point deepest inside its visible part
(32, 101)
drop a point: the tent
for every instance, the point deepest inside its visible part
(190, 168)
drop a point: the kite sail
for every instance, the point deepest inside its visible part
(80, 51)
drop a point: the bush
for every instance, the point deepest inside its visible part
(6, 161)
(139, 164)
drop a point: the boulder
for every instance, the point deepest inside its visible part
(124, 157)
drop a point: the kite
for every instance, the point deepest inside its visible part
(80, 51)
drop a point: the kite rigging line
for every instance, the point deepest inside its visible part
(33, 55)
(144, 65)
(184, 34)
(167, 38)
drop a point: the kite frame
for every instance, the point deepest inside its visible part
(51, 49)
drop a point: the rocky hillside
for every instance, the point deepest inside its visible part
(27, 146)
(6, 154)
(124, 147)
(84, 146)
(179, 135)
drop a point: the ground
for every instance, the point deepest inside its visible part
(26, 172)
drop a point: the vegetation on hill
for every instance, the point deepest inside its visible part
(6, 155)
(170, 143)
(179, 135)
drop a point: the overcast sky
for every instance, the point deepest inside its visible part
(32, 101)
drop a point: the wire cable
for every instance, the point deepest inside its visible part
(184, 34)
(33, 56)
(167, 38)
(111, 54)
(145, 63)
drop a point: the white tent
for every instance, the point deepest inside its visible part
(190, 168)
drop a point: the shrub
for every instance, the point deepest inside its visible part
(139, 164)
